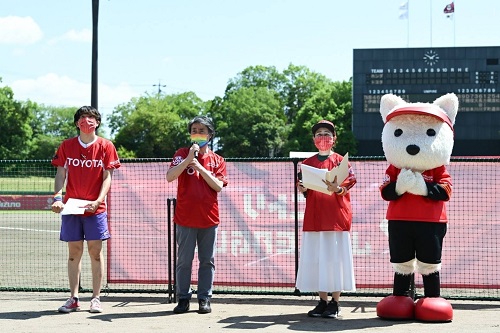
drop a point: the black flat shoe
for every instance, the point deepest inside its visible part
(204, 306)
(183, 306)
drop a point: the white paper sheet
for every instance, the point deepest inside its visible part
(312, 178)
(75, 207)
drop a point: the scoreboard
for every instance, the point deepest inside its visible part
(422, 75)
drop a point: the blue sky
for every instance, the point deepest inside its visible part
(198, 45)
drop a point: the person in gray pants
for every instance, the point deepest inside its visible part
(201, 175)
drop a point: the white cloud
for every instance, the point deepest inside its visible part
(84, 36)
(56, 90)
(52, 89)
(19, 30)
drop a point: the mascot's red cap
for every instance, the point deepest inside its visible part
(424, 110)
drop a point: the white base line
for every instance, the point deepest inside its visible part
(117, 237)
(255, 262)
(25, 229)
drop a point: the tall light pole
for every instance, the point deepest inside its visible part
(95, 20)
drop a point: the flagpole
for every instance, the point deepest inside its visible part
(454, 25)
(430, 5)
(449, 10)
(408, 26)
(404, 9)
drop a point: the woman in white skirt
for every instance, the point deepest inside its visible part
(325, 263)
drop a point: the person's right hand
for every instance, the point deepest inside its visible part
(57, 206)
(301, 187)
(193, 150)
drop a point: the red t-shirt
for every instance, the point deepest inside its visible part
(411, 207)
(197, 205)
(328, 212)
(84, 168)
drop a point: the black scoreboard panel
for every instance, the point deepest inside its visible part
(422, 75)
(467, 102)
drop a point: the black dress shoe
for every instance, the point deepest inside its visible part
(183, 306)
(204, 306)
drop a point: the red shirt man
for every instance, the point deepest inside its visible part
(85, 166)
(201, 176)
(197, 205)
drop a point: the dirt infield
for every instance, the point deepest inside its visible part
(36, 312)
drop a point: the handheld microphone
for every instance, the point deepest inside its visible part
(195, 152)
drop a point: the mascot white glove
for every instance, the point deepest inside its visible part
(405, 182)
(411, 182)
(419, 188)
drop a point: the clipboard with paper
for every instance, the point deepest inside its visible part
(312, 178)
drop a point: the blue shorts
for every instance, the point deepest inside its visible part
(78, 227)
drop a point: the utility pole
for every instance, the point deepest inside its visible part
(95, 20)
(159, 85)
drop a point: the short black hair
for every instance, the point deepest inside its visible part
(87, 110)
(204, 120)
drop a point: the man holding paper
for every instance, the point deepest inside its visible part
(84, 164)
(325, 263)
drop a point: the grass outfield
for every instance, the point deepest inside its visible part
(25, 212)
(26, 184)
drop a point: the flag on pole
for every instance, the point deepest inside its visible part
(403, 11)
(449, 10)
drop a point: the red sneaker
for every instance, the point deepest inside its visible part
(71, 305)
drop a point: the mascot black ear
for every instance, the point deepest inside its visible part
(388, 102)
(449, 104)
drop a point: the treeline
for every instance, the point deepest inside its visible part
(263, 113)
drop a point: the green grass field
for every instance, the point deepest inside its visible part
(26, 184)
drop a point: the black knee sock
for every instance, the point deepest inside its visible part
(432, 285)
(402, 284)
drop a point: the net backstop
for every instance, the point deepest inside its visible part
(259, 236)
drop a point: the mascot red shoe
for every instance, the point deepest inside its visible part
(418, 141)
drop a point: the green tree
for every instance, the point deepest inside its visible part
(304, 96)
(257, 77)
(250, 123)
(15, 129)
(294, 86)
(301, 84)
(51, 125)
(148, 126)
(333, 103)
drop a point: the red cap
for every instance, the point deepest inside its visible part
(324, 123)
(424, 110)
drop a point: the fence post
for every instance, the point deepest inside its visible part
(171, 276)
(169, 250)
(174, 286)
(296, 211)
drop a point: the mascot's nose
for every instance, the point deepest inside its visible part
(412, 149)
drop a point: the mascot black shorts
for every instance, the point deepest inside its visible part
(421, 240)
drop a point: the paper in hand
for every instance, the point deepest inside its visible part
(74, 207)
(312, 178)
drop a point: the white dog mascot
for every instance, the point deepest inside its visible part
(417, 140)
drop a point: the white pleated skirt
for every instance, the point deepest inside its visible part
(325, 262)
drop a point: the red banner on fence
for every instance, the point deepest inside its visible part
(257, 239)
(25, 202)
